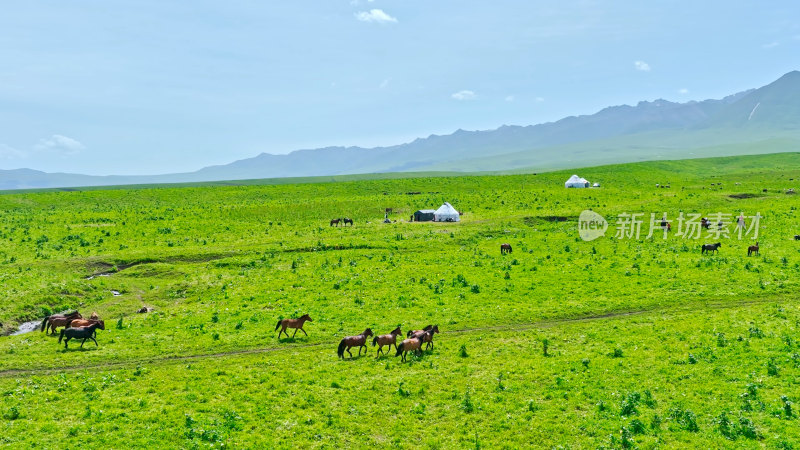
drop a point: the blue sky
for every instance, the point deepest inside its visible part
(146, 87)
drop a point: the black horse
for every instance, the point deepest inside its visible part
(346, 221)
(710, 247)
(79, 333)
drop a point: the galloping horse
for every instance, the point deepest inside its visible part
(77, 323)
(387, 339)
(427, 335)
(414, 332)
(346, 221)
(753, 249)
(79, 333)
(710, 247)
(349, 342)
(59, 320)
(505, 248)
(297, 324)
(414, 343)
(335, 222)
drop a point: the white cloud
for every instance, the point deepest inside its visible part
(683, 91)
(59, 143)
(641, 65)
(463, 95)
(772, 44)
(510, 98)
(375, 15)
(385, 83)
(9, 152)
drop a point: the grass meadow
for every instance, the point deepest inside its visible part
(612, 343)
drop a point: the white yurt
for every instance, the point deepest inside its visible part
(446, 213)
(577, 182)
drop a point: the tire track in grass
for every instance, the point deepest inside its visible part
(695, 307)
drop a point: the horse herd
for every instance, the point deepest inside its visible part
(344, 221)
(74, 327)
(414, 341)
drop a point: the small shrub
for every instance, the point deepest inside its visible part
(772, 368)
(787, 407)
(11, 414)
(747, 428)
(617, 353)
(725, 426)
(629, 404)
(585, 362)
(119, 324)
(692, 359)
(545, 345)
(637, 427)
(466, 403)
(462, 351)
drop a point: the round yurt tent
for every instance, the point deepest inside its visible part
(576, 182)
(446, 213)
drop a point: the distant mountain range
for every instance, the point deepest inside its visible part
(764, 120)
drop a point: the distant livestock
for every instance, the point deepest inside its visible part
(710, 248)
(505, 248)
(752, 250)
(297, 324)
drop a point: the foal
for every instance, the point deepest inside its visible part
(387, 339)
(359, 341)
(297, 324)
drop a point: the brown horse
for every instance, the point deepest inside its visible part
(77, 323)
(387, 339)
(297, 324)
(753, 249)
(59, 320)
(427, 335)
(346, 221)
(335, 222)
(414, 332)
(349, 342)
(411, 344)
(505, 248)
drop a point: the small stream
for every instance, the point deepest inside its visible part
(27, 327)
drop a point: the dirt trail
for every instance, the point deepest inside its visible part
(672, 309)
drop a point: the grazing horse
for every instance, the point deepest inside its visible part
(413, 343)
(59, 320)
(415, 332)
(77, 323)
(753, 249)
(349, 342)
(427, 336)
(346, 221)
(297, 324)
(335, 222)
(79, 333)
(387, 339)
(704, 223)
(710, 247)
(505, 248)
(797, 237)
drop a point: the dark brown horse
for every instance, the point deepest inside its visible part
(505, 248)
(79, 333)
(413, 332)
(387, 339)
(427, 335)
(59, 320)
(346, 221)
(349, 342)
(411, 344)
(753, 249)
(710, 247)
(704, 223)
(797, 237)
(297, 324)
(335, 222)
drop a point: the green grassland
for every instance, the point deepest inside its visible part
(609, 343)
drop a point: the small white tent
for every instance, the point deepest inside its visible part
(576, 182)
(446, 213)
